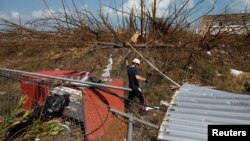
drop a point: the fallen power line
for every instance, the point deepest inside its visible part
(154, 66)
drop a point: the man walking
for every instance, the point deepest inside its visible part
(133, 78)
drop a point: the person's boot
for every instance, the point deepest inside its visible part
(143, 112)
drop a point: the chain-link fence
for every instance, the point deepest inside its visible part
(59, 106)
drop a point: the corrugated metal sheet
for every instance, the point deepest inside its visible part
(193, 108)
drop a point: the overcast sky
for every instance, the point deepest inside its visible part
(32, 9)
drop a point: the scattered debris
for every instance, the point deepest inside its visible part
(165, 103)
(135, 37)
(236, 72)
(54, 106)
(190, 67)
(20, 53)
(209, 53)
(75, 95)
(66, 127)
(173, 87)
(148, 108)
(220, 51)
(2, 93)
(151, 108)
(218, 74)
(86, 77)
(106, 71)
(56, 56)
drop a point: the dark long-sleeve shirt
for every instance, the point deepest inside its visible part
(133, 82)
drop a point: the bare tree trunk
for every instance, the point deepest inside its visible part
(142, 17)
(123, 22)
(154, 14)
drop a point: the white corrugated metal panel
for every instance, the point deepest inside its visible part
(193, 108)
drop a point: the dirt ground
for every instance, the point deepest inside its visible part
(117, 130)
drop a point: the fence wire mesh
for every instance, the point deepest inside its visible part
(26, 100)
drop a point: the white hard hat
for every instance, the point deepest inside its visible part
(137, 61)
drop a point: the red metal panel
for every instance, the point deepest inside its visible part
(36, 93)
(28, 90)
(96, 112)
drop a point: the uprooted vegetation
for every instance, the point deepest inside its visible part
(84, 41)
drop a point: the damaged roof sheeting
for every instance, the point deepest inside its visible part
(193, 108)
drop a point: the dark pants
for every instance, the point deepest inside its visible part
(136, 93)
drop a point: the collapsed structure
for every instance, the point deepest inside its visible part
(225, 23)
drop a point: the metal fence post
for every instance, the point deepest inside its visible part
(130, 127)
(131, 119)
